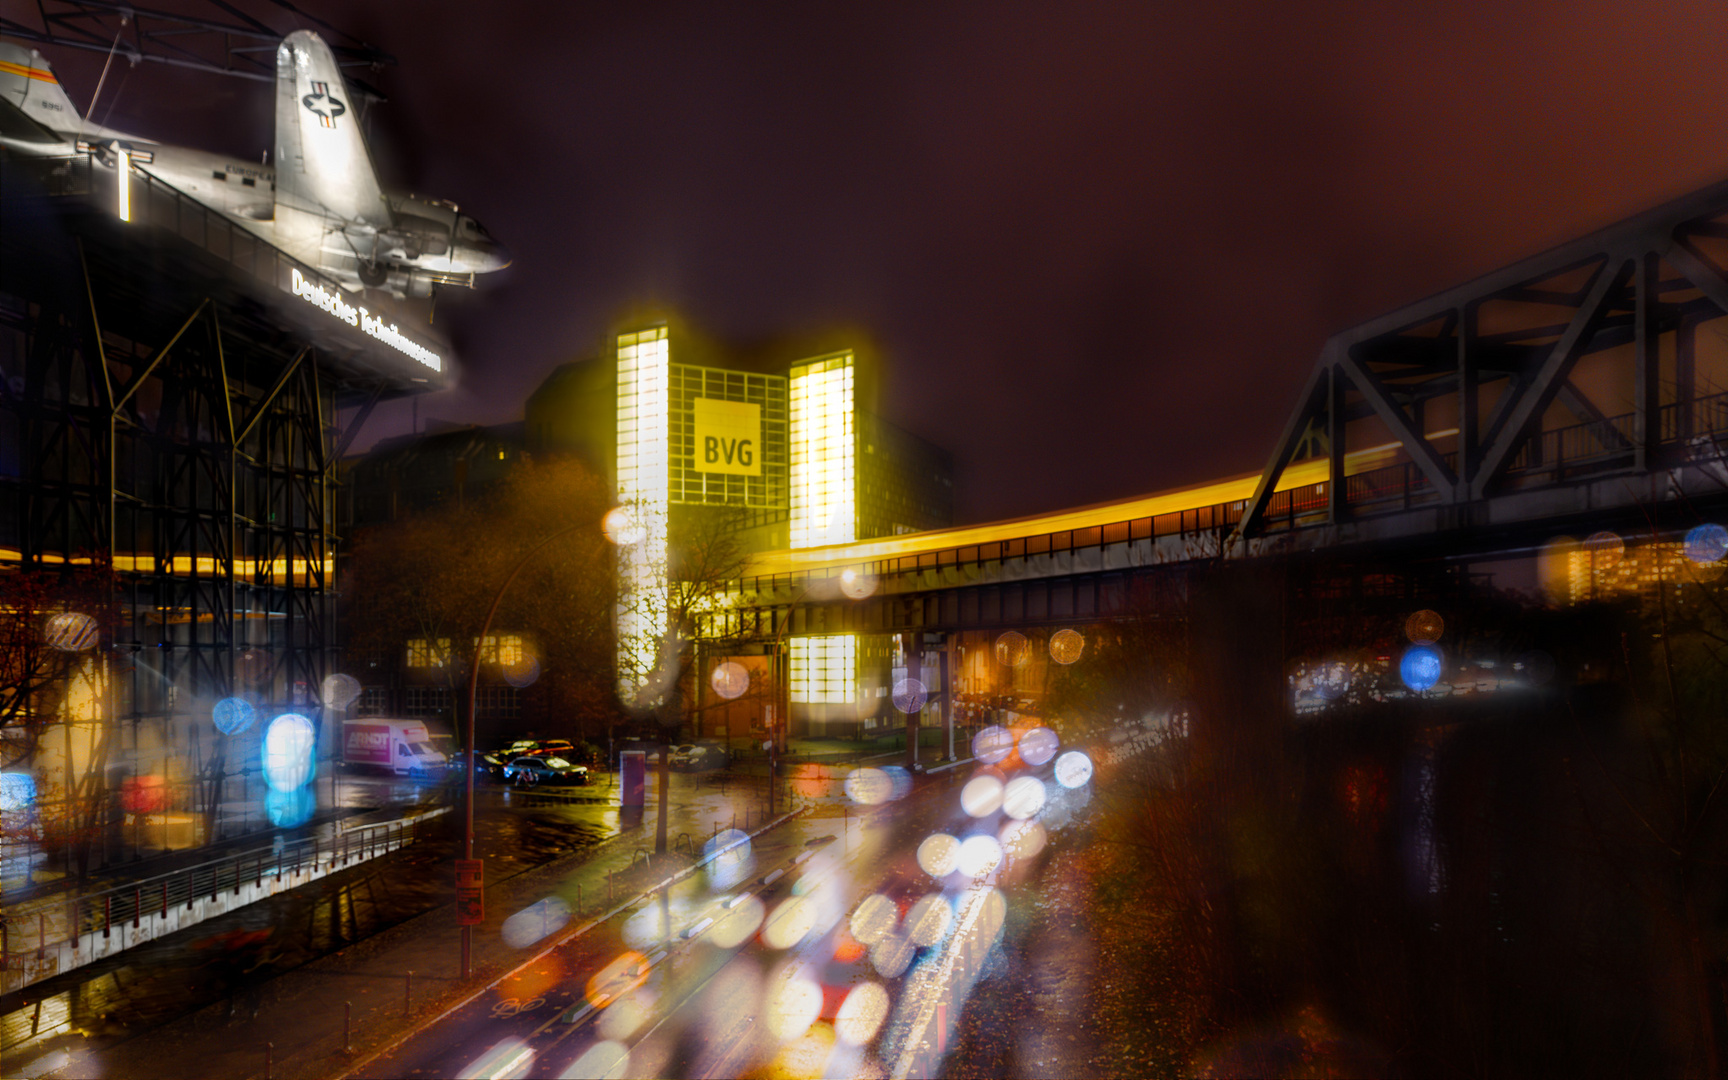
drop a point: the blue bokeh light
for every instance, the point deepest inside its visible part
(17, 791)
(287, 809)
(289, 744)
(1420, 667)
(232, 715)
(1707, 543)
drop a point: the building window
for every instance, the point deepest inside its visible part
(374, 701)
(422, 652)
(643, 464)
(497, 702)
(824, 669)
(823, 451)
(503, 649)
(428, 700)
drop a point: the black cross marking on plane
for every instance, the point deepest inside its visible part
(325, 107)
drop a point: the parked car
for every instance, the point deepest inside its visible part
(487, 766)
(698, 757)
(529, 769)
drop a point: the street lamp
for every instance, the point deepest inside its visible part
(468, 761)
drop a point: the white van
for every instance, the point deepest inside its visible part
(397, 746)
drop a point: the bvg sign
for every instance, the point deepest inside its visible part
(728, 437)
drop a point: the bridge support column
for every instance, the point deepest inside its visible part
(911, 646)
(947, 695)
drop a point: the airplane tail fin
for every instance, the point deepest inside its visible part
(322, 165)
(27, 81)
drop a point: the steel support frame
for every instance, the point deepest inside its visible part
(197, 462)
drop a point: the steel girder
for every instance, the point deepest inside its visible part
(1578, 364)
(174, 435)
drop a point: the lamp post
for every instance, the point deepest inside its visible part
(473, 693)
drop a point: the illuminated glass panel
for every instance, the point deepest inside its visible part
(503, 649)
(823, 452)
(824, 669)
(643, 454)
(688, 481)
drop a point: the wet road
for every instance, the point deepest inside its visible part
(828, 943)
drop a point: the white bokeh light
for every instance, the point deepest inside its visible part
(937, 854)
(979, 855)
(1024, 797)
(982, 796)
(1073, 769)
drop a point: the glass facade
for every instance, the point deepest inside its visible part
(824, 669)
(752, 476)
(644, 406)
(823, 452)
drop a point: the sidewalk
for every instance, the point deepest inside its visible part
(302, 1012)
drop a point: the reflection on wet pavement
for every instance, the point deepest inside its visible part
(154, 983)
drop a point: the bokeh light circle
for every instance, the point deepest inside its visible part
(869, 787)
(289, 743)
(992, 744)
(982, 795)
(1024, 797)
(232, 715)
(71, 631)
(1038, 746)
(794, 1006)
(979, 855)
(910, 695)
(736, 926)
(1023, 839)
(340, 690)
(1011, 648)
(728, 859)
(1707, 543)
(1605, 549)
(621, 527)
(1420, 667)
(891, 955)
(604, 1058)
(1073, 769)
(1332, 679)
(861, 1014)
(535, 922)
(856, 584)
(1424, 627)
(730, 680)
(17, 791)
(900, 778)
(524, 672)
(874, 919)
(287, 809)
(937, 854)
(929, 918)
(1066, 646)
(792, 919)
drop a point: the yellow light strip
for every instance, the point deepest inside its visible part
(1235, 489)
(186, 566)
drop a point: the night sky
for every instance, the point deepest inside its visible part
(1099, 245)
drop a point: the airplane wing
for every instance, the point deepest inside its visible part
(322, 166)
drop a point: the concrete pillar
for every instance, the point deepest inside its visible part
(910, 645)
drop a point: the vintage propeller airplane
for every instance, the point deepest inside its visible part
(321, 202)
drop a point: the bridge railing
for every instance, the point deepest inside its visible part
(1563, 452)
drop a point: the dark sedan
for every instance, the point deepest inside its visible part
(544, 770)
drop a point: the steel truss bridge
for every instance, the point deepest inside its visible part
(1580, 389)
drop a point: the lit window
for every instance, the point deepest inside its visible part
(422, 653)
(824, 669)
(503, 649)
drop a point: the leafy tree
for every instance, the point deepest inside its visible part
(430, 578)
